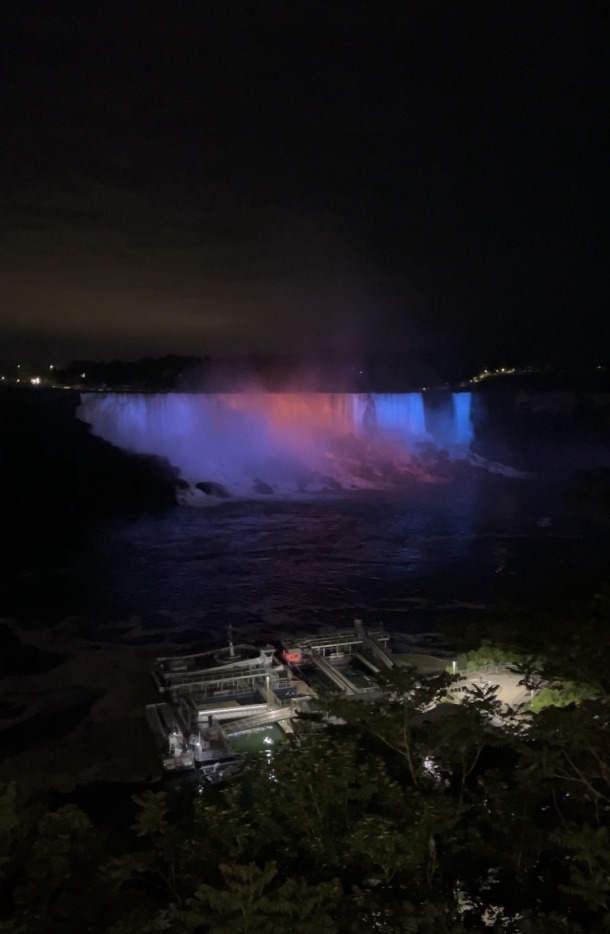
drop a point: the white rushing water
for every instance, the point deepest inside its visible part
(281, 439)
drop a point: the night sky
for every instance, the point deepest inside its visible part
(225, 176)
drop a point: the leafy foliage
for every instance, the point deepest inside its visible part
(562, 694)
(486, 654)
(248, 902)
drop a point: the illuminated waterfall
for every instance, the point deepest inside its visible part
(279, 438)
(402, 416)
(462, 421)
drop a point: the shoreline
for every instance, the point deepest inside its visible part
(85, 714)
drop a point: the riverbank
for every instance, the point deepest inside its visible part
(81, 720)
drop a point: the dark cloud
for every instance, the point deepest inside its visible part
(303, 175)
(100, 261)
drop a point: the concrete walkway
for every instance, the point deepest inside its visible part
(510, 692)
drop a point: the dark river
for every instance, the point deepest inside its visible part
(405, 559)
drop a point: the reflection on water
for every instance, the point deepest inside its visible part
(501, 557)
(260, 739)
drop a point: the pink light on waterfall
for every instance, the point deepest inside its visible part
(303, 411)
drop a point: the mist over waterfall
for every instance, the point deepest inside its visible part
(284, 442)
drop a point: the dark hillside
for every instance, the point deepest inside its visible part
(54, 475)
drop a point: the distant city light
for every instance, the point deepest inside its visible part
(35, 380)
(83, 375)
(504, 370)
(50, 366)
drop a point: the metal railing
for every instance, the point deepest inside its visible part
(262, 719)
(474, 666)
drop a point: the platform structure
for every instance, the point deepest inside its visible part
(264, 718)
(374, 648)
(341, 644)
(168, 730)
(173, 673)
(215, 696)
(332, 672)
(226, 681)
